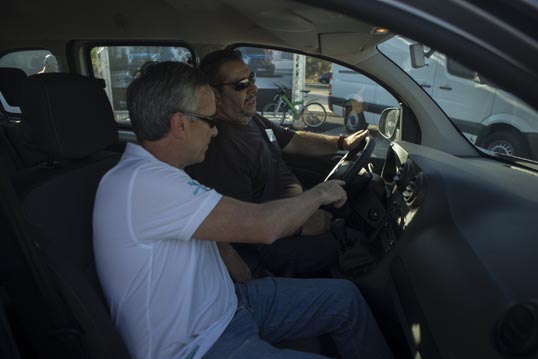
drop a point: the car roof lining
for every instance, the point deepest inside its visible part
(273, 24)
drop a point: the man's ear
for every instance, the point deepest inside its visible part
(178, 125)
(218, 92)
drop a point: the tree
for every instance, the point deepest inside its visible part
(315, 68)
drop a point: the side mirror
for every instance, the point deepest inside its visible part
(416, 51)
(389, 122)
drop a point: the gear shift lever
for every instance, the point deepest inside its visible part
(354, 259)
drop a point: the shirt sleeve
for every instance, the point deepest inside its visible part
(283, 134)
(168, 204)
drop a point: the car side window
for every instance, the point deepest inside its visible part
(311, 94)
(118, 65)
(30, 62)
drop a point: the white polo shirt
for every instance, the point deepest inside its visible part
(170, 295)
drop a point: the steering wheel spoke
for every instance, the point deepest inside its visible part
(350, 164)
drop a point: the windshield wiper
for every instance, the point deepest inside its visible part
(523, 162)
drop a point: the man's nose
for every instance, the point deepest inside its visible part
(214, 131)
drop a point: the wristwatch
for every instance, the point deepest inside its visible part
(341, 142)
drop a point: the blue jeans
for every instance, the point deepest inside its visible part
(272, 310)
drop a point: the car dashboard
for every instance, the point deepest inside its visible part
(456, 253)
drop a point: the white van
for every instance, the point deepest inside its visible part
(489, 117)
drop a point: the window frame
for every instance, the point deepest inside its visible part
(79, 55)
(413, 131)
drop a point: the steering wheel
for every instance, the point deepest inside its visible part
(349, 165)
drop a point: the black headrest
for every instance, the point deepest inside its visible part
(11, 84)
(68, 116)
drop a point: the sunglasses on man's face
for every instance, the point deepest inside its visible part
(242, 84)
(210, 120)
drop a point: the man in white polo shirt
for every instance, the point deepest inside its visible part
(162, 250)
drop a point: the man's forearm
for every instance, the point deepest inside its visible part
(235, 221)
(287, 215)
(313, 144)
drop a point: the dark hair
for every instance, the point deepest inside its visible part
(211, 63)
(158, 91)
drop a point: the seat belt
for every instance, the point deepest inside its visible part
(66, 333)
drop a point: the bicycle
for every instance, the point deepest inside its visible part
(312, 113)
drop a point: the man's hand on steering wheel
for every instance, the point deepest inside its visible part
(354, 140)
(348, 167)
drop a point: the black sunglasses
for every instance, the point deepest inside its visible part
(210, 120)
(242, 84)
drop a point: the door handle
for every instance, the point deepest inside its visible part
(426, 86)
(445, 87)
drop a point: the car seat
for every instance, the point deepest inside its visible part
(11, 86)
(70, 119)
(15, 146)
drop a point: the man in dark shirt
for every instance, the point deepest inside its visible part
(245, 162)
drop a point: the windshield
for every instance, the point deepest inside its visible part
(492, 119)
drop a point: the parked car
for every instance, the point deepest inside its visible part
(448, 227)
(325, 78)
(258, 60)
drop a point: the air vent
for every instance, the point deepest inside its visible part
(405, 174)
(414, 191)
(410, 191)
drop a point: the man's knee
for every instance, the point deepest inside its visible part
(345, 290)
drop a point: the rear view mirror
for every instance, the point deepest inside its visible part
(389, 122)
(416, 51)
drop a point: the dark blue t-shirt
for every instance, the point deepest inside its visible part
(245, 162)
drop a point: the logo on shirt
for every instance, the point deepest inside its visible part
(197, 186)
(270, 135)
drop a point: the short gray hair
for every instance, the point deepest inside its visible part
(158, 91)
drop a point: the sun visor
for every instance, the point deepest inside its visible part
(345, 44)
